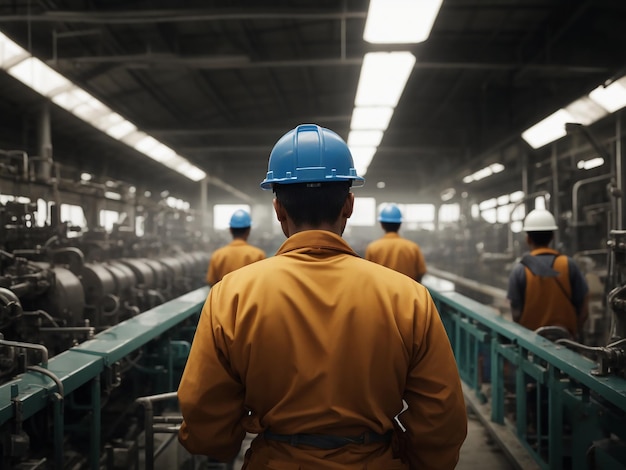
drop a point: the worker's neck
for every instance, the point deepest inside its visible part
(336, 228)
(533, 247)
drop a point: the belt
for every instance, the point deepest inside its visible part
(325, 441)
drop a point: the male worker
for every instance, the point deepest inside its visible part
(392, 250)
(237, 253)
(547, 288)
(316, 349)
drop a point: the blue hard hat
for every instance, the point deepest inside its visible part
(310, 154)
(240, 219)
(391, 214)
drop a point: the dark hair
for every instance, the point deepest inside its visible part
(390, 226)
(313, 203)
(540, 238)
(239, 232)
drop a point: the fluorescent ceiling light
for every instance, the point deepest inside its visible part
(46, 81)
(71, 98)
(146, 144)
(120, 130)
(516, 196)
(591, 163)
(374, 117)
(496, 167)
(586, 111)
(548, 130)
(383, 78)
(484, 172)
(400, 21)
(502, 200)
(108, 120)
(92, 112)
(362, 157)
(10, 52)
(133, 138)
(611, 97)
(194, 174)
(364, 138)
(448, 194)
(38, 76)
(112, 195)
(162, 153)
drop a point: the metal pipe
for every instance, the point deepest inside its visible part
(576, 187)
(96, 427)
(37, 347)
(619, 172)
(58, 414)
(147, 403)
(556, 209)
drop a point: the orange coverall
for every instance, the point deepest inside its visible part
(318, 340)
(235, 255)
(397, 253)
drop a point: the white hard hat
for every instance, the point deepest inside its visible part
(539, 220)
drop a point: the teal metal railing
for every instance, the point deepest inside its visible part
(541, 392)
(88, 365)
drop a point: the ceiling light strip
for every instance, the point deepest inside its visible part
(46, 81)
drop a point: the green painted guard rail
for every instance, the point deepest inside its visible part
(33, 391)
(541, 392)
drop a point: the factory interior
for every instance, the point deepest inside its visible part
(130, 130)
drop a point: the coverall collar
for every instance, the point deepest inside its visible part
(544, 250)
(316, 240)
(391, 235)
(238, 242)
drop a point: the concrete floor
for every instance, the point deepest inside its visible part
(479, 450)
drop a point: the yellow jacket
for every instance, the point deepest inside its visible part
(397, 253)
(235, 255)
(318, 340)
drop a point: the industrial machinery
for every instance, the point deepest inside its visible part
(75, 347)
(611, 359)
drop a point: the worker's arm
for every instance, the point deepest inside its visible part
(210, 397)
(436, 419)
(516, 313)
(421, 265)
(583, 314)
(515, 291)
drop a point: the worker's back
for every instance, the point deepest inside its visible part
(318, 353)
(397, 253)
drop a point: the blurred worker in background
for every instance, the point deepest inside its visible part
(317, 350)
(237, 253)
(392, 250)
(546, 288)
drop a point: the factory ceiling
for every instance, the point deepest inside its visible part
(221, 81)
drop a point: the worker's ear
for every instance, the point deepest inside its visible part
(348, 206)
(281, 213)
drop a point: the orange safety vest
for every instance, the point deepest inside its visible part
(548, 300)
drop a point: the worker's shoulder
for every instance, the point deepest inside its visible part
(256, 249)
(220, 251)
(379, 242)
(407, 242)
(382, 274)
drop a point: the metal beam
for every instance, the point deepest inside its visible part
(177, 16)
